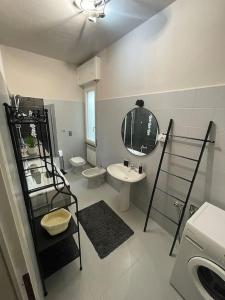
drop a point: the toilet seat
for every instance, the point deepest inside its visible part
(77, 161)
(93, 172)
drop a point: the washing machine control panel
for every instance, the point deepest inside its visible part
(207, 246)
(216, 253)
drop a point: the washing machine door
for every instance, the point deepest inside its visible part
(208, 277)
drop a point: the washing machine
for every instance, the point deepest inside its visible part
(199, 270)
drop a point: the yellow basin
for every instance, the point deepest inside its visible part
(56, 222)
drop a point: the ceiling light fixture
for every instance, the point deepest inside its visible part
(94, 8)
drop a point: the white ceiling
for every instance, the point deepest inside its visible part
(55, 28)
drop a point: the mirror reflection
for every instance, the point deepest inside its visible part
(140, 131)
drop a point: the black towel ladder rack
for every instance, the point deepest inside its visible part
(191, 182)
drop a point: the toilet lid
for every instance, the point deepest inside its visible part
(77, 160)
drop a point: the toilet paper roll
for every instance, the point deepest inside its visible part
(60, 153)
(162, 137)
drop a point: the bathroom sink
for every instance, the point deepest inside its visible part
(128, 176)
(123, 173)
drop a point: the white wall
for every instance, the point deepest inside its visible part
(55, 81)
(6, 287)
(69, 116)
(13, 250)
(2, 66)
(191, 110)
(175, 62)
(14, 224)
(181, 47)
(9, 241)
(37, 76)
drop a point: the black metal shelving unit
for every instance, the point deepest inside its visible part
(53, 252)
(182, 203)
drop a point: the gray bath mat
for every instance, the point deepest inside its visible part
(105, 229)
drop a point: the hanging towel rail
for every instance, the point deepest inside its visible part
(168, 194)
(174, 175)
(181, 156)
(190, 138)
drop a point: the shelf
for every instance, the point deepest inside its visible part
(34, 168)
(46, 180)
(45, 241)
(42, 210)
(44, 187)
(59, 256)
(53, 252)
(32, 157)
(28, 121)
(41, 172)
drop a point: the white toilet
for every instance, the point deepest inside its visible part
(95, 176)
(77, 163)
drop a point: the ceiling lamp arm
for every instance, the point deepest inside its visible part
(99, 3)
(95, 8)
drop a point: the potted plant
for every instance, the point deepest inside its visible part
(31, 144)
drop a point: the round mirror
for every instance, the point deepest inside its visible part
(140, 131)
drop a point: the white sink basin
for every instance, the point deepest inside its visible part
(135, 152)
(123, 173)
(127, 176)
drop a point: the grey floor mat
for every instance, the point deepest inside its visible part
(105, 229)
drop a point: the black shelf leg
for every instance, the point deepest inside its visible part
(78, 225)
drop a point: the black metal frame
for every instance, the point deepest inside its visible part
(40, 119)
(184, 202)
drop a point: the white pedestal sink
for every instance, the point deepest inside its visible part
(127, 176)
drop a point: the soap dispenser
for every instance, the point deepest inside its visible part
(126, 163)
(140, 169)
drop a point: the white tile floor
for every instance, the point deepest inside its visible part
(138, 270)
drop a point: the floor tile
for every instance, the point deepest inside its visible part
(139, 269)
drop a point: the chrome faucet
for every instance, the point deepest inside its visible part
(132, 166)
(143, 147)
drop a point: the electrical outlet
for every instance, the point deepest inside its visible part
(192, 209)
(70, 133)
